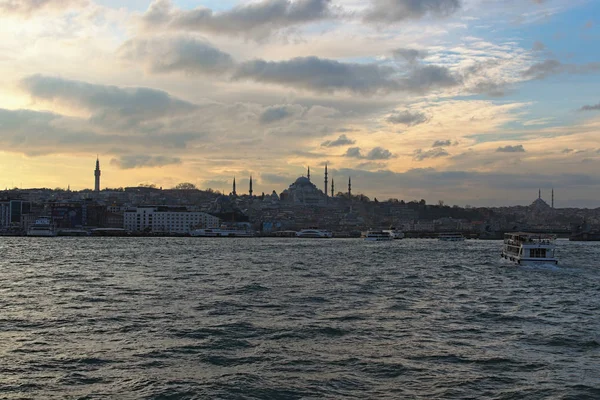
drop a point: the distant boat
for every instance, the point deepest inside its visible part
(314, 233)
(238, 230)
(378, 236)
(529, 248)
(451, 237)
(396, 234)
(42, 227)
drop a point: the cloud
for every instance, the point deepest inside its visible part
(595, 107)
(40, 133)
(442, 143)
(276, 179)
(324, 75)
(342, 140)
(278, 113)
(538, 46)
(189, 55)
(370, 165)
(553, 67)
(143, 161)
(26, 8)
(511, 149)
(377, 153)
(408, 118)
(257, 19)
(409, 55)
(354, 152)
(437, 152)
(177, 54)
(567, 151)
(391, 11)
(106, 103)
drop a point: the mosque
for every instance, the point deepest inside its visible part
(304, 192)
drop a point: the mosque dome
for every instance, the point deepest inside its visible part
(302, 181)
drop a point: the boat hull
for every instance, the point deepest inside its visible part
(528, 261)
(371, 239)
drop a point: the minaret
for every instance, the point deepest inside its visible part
(308, 173)
(325, 179)
(97, 174)
(234, 192)
(250, 191)
(540, 194)
(350, 187)
(332, 188)
(553, 198)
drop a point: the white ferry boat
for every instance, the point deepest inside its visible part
(529, 248)
(238, 230)
(378, 236)
(451, 237)
(396, 234)
(314, 233)
(42, 227)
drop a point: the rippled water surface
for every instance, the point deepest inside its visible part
(183, 318)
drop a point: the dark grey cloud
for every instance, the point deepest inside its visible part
(552, 67)
(106, 101)
(257, 19)
(40, 133)
(27, 8)
(324, 75)
(567, 151)
(131, 161)
(391, 11)
(511, 149)
(188, 55)
(437, 152)
(377, 153)
(342, 140)
(354, 152)
(177, 54)
(408, 118)
(442, 143)
(276, 113)
(409, 55)
(595, 107)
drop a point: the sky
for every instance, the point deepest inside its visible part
(472, 102)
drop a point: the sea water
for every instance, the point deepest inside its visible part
(198, 318)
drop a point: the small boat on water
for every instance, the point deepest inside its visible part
(43, 227)
(378, 236)
(314, 233)
(451, 237)
(529, 248)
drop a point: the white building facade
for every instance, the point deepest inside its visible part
(164, 220)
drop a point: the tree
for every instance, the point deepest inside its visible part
(185, 186)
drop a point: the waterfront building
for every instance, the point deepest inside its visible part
(160, 219)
